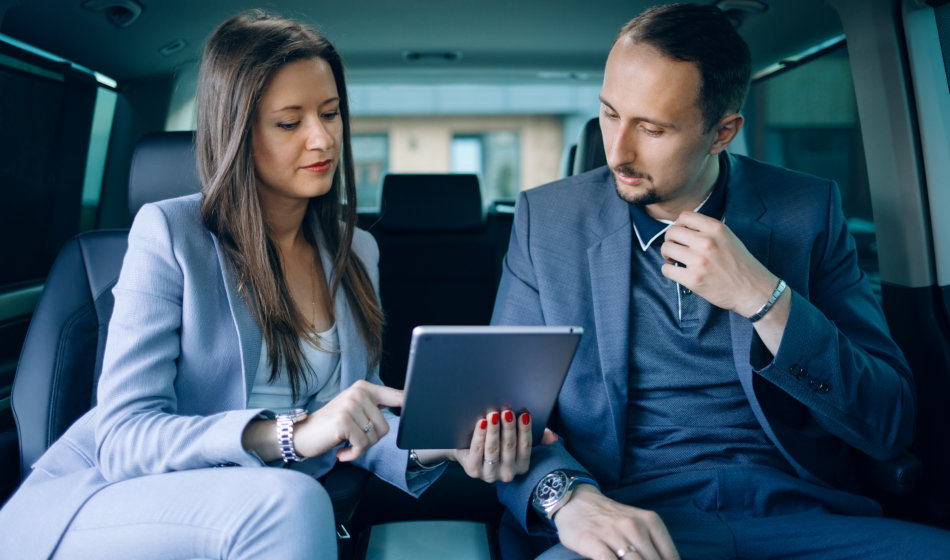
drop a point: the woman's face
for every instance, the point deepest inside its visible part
(297, 133)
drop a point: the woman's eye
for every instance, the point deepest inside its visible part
(331, 115)
(288, 126)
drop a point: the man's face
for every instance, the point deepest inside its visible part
(653, 130)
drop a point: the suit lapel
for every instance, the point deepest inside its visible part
(744, 208)
(249, 334)
(609, 261)
(353, 365)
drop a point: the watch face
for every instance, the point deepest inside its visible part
(551, 488)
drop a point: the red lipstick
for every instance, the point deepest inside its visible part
(319, 167)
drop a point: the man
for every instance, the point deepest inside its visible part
(734, 358)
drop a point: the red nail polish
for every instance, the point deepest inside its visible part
(494, 418)
(525, 418)
(509, 417)
(483, 424)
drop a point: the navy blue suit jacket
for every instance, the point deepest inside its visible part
(839, 382)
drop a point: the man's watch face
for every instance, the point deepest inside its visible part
(552, 488)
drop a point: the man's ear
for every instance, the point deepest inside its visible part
(726, 130)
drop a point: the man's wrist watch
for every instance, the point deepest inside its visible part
(555, 490)
(285, 433)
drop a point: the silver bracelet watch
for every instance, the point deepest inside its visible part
(285, 433)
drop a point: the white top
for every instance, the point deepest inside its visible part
(321, 385)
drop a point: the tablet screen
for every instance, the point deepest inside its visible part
(457, 374)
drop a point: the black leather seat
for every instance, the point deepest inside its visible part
(440, 258)
(62, 355)
(590, 148)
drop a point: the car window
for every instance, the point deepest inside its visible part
(805, 118)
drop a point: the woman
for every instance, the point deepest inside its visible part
(234, 308)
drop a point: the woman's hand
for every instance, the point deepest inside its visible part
(353, 416)
(501, 447)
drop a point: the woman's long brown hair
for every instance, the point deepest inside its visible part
(240, 58)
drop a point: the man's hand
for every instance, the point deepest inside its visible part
(718, 267)
(597, 527)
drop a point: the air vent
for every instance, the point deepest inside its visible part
(432, 57)
(120, 13)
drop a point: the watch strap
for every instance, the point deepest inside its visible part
(573, 479)
(285, 434)
(416, 465)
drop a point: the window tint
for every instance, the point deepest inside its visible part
(49, 120)
(805, 118)
(31, 107)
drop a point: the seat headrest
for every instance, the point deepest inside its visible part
(590, 148)
(428, 202)
(163, 166)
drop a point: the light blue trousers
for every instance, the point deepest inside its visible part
(232, 512)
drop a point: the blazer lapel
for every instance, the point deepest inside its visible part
(744, 208)
(353, 364)
(248, 333)
(609, 261)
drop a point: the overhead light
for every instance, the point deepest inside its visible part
(173, 47)
(106, 80)
(432, 57)
(738, 10)
(120, 13)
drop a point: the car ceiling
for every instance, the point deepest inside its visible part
(498, 40)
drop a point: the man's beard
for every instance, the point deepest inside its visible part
(638, 198)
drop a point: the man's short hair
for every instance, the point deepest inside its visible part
(704, 36)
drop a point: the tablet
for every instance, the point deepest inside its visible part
(457, 374)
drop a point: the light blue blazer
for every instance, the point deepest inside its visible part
(838, 385)
(182, 352)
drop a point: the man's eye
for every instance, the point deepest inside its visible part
(652, 132)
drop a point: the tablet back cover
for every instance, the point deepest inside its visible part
(456, 375)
